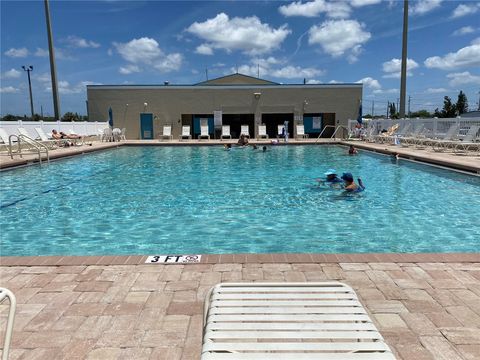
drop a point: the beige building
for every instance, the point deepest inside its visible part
(233, 100)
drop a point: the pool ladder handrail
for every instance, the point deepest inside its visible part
(34, 145)
(5, 293)
(338, 128)
(330, 126)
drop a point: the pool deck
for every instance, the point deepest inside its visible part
(424, 310)
(427, 306)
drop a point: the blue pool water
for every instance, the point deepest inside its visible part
(160, 200)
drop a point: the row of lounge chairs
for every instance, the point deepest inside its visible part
(244, 130)
(461, 141)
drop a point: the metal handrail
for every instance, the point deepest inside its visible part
(5, 293)
(321, 132)
(338, 127)
(38, 146)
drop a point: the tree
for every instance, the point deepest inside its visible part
(462, 103)
(69, 116)
(449, 109)
(392, 110)
(10, 117)
(421, 114)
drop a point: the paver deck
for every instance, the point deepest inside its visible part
(425, 310)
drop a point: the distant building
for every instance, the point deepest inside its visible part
(233, 100)
(471, 114)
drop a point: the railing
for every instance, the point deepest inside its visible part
(33, 146)
(323, 130)
(4, 294)
(338, 128)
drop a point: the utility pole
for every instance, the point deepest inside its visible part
(28, 69)
(53, 69)
(403, 74)
(409, 98)
(373, 108)
(41, 111)
(206, 73)
(388, 107)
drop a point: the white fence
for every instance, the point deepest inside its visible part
(80, 127)
(432, 126)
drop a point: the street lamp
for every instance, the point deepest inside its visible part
(28, 69)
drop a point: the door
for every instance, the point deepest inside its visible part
(146, 126)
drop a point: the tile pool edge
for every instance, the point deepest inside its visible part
(247, 258)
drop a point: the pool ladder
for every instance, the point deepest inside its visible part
(28, 146)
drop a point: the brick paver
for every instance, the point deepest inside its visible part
(424, 310)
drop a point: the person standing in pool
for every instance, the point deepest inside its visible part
(350, 185)
(352, 150)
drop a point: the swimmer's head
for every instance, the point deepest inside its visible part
(348, 177)
(264, 148)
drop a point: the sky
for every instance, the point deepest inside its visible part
(321, 41)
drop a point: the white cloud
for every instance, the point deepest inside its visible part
(334, 82)
(146, 51)
(392, 68)
(313, 81)
(204, 50)
(359, 3)
(370, 83)
(41, 52)
(436, 90)
(65, 88)
(385, 91)
(464, 10)
(248, 34)
(424, 6)
(463, 78)
(129, 69)
(78, 42)
(339, 37)
(295, 72)
(43, 78)
(12, 74)
(314, 8)
(468, 56)
(17, 53)
(277, 68)
(463, 31)
(9, 90)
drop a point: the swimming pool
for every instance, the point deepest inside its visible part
(163, 200)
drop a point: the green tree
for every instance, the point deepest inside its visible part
(449, 109)
(10, 117)
(462, 103)
(392, 110)
(421, 114)
(36, 117)
(70, 116)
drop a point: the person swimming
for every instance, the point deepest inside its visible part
(331, 178)
(264, 148)
(352, 150)
(350, 185)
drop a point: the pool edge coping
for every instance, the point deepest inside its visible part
(246, 259)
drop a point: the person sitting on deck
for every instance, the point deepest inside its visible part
(242, 141)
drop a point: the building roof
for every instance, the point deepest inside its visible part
(237, 79)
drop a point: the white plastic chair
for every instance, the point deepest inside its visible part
(262, 132)
(204, 132)
(185, 132)
(295, 321)
(301, 132)
(226, 132)
(167, 133)
(4, 294)
(244, 130)
(107, 135)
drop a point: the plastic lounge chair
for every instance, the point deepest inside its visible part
(301, 132)
(406, 141)
(185, 133)
(244, 130)
(167, 133)
(5, 293)
(262, 132)
(204, 132)
(469, 142)
(225, 132)
(107, 135)
(446, 143)
(451, 134)
(4, 140)
(297, 321)
(52, 144)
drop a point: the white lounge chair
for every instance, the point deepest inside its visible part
(411, 139)
(225, 132)
(107, 134)
(262, 132)
(4, 141)
(451, 134)
(244, 130)
(204, 132)
(301, 132)
(469, 143)
(185, 132)
(51, 143)
(167, 133)
(297, 321)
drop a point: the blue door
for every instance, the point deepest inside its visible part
(146, 126)
(196, 123)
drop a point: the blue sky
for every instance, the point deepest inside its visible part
(149, 42)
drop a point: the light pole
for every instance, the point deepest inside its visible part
(53, 69)
(403, 71)
(28, 69)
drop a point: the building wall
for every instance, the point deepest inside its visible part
(168, 103)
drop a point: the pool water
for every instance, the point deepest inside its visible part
(171, 200)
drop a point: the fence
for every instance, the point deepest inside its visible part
(432, 126)
(81, 128)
